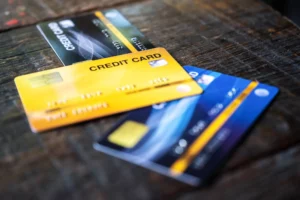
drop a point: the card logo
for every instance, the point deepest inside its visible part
(67, 23)
(111, 15)
(206, 79)
(261, 92)
(158, 63)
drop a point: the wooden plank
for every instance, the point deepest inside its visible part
(276, 177)
(227, 36)
(16, 13)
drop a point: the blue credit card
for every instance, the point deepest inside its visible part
(189, 138)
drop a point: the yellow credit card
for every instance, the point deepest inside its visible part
(91, 89)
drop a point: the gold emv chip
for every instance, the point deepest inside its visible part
(128, 134)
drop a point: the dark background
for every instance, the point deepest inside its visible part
(243, 38)
(289, 8)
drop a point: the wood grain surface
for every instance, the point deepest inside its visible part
(18, 13)
(239, 37)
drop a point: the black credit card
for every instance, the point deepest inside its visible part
(93, 36)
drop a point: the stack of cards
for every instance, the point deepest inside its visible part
(171, 127)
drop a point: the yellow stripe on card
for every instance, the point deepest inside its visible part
(180, 165)
(113, 29)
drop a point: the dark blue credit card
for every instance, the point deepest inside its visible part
(93, 36)
(188, 139)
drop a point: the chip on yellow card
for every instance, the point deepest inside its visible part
(91, 89)
(129, 134)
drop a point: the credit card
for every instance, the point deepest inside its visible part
(93, 36)
(92, 89)
(188, 139)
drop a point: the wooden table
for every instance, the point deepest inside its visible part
(239, 37)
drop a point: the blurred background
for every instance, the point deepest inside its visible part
(289, 8)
